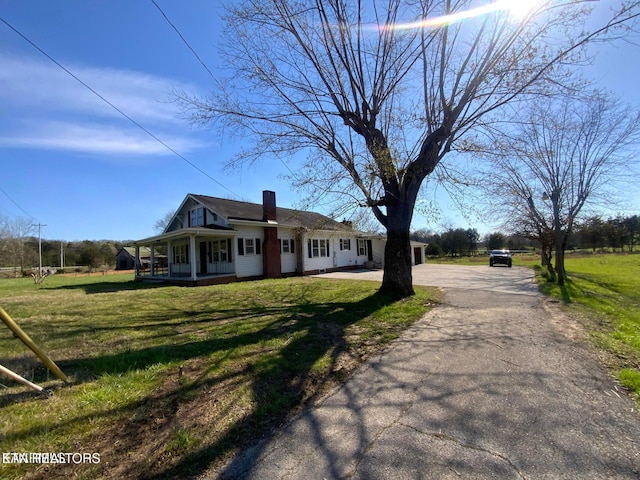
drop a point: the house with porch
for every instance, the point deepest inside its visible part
(213, 240)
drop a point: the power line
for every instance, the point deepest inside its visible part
(203, 64)
(16, 203)
(207, 68)
(184, 40)
(116, 108)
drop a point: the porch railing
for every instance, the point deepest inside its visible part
(219, 268)
(184, 270)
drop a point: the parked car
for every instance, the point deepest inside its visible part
(500, 257)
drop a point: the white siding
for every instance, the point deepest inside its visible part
(318, 263)
(248, 265)
(337, 258)
(346, 258)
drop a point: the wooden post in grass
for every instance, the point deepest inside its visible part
(18, 378)
(15, 328)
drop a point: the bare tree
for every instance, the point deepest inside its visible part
(4, 237)
(380, 93)
(561, 157)
(14, 234)
(162, 223)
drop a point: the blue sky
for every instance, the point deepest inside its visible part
(72, 162)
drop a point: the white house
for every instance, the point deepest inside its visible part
(215, 240)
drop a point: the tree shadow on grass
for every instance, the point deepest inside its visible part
(281, 382)
(111, 287)
(571, 290)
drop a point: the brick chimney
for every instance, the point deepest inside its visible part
(271, 247)
(268, 205)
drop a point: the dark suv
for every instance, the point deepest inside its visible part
(502, 257)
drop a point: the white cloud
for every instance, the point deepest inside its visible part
(45, 108)
(95, 139)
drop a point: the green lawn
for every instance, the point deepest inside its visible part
(167, 381)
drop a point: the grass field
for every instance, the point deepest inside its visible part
(167, 381)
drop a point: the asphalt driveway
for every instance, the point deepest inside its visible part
(494, 383)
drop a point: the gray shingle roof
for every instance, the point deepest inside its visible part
(237, 210)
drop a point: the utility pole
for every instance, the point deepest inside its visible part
(61, 255)
(39, 225)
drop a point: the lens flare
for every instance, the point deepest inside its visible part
(516, 8)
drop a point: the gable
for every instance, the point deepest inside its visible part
(193, 212)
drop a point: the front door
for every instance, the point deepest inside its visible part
(203, 257)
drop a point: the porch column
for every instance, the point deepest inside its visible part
(169, 258)
(137, 261)
(152, 258)
(192, 257)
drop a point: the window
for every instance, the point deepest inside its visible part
(224, 257)
(249, 246)
(318, 247)
(218, 251)
(181, 254)
(196, 218)
(362, 247)
(345, 244)
(324, 248)
(287, 245)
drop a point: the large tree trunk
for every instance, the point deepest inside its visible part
(545, 259)
(397, 280)
(561, 245)
(560, 266)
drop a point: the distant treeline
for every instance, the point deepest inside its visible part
(22, 253)
(460, 242)
(595, 233)
(619, 233)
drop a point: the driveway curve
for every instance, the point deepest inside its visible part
(494, 383)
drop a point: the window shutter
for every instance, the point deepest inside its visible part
(229, 249)
(280, 245)
(258, 246)
(292, 244)
(328, 248)
(309, 247)
(241, 246)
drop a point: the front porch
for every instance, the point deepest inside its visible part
(195, 257)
